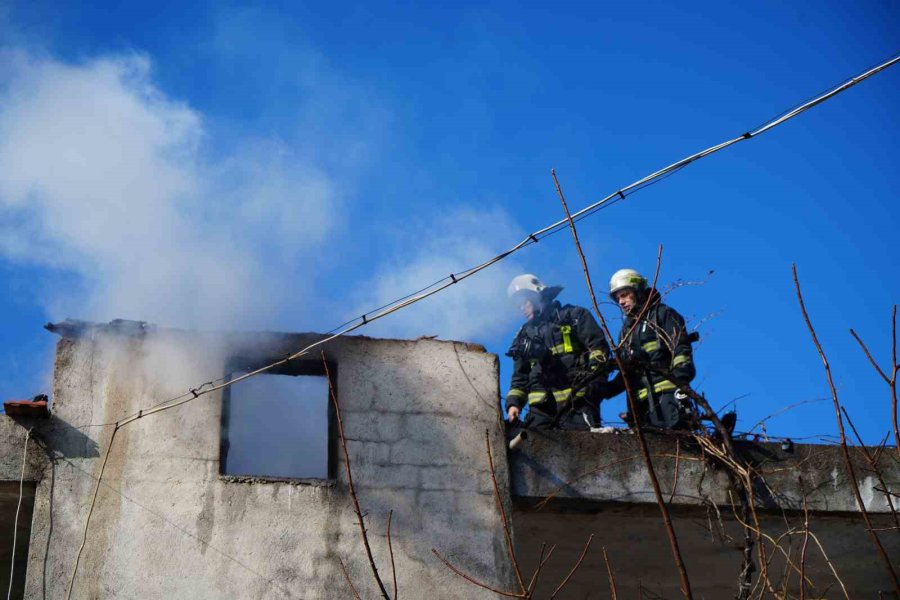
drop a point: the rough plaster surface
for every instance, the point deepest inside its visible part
(610, 468)
(12, 450)
(167, 525)
(601, 487)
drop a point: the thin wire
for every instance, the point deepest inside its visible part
(12, 566)
(532, 238)
(441, 284)
(179, 528)
(87, 521)
(875, 64)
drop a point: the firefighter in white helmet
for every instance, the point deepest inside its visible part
(656, 349)
(560, 360)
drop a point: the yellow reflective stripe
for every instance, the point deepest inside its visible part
(651, 346)
(558, 349)
(558, 395)
(664, 386)
(516, 392)
(535, 397)
(680, 360)
(580, 393)
(661, 386)
(562, 395)
(598, 355)
(566, 331)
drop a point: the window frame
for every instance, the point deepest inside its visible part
(234, 368)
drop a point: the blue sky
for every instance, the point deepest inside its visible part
(290, 166)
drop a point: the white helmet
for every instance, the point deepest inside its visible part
(525, 283)
(626, 278)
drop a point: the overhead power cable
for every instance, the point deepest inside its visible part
(532, 238)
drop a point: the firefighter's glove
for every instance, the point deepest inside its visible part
(634, 356)
(684, 370)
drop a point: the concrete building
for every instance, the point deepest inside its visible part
(242, 492)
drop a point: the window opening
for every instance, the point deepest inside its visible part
(279, 425)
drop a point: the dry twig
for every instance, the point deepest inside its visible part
(523, 591)
(391, 552)
(892, 380)
(645, 450)
(474, 581)
(873, 462)
(843, 438)
(352, 489)
(805, 541)
(677, 465)
(541, 562)
(349, 581)
(504, 519)
(574, 568)
(612, 580)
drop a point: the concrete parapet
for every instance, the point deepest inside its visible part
(609, 467)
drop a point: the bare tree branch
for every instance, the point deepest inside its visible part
(677, 465)
(892, 380)
(873, 462)
(349, 581)
(352, 489)
(805, 541)
(868, 354)
(537, 571)
(843, 439)
(523, 591)
(612, 580)
(784, 410)
(645, 450)
(391, 552)
(597, 469)
(574, 568)
(474, 581)
(504, 519)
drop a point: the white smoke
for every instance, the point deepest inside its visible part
(476, 309)
(133, 209)
(123, 193)
(103, 176)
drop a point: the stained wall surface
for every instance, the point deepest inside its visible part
(165, 524)
(568, 486)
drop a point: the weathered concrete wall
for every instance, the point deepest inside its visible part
(610, 467)
(599, 485)
(166, 525)
(12, 450)
(16, 498)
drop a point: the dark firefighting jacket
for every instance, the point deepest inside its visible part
(550, 351)
(657, 345)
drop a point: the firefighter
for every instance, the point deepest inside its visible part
(655, 348)
(560, 360)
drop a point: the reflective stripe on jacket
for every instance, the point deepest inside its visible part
(661, 341)
(549, 349)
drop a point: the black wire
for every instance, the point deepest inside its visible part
(399, 300)
(533, 238)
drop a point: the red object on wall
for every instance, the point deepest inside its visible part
(34, 409)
